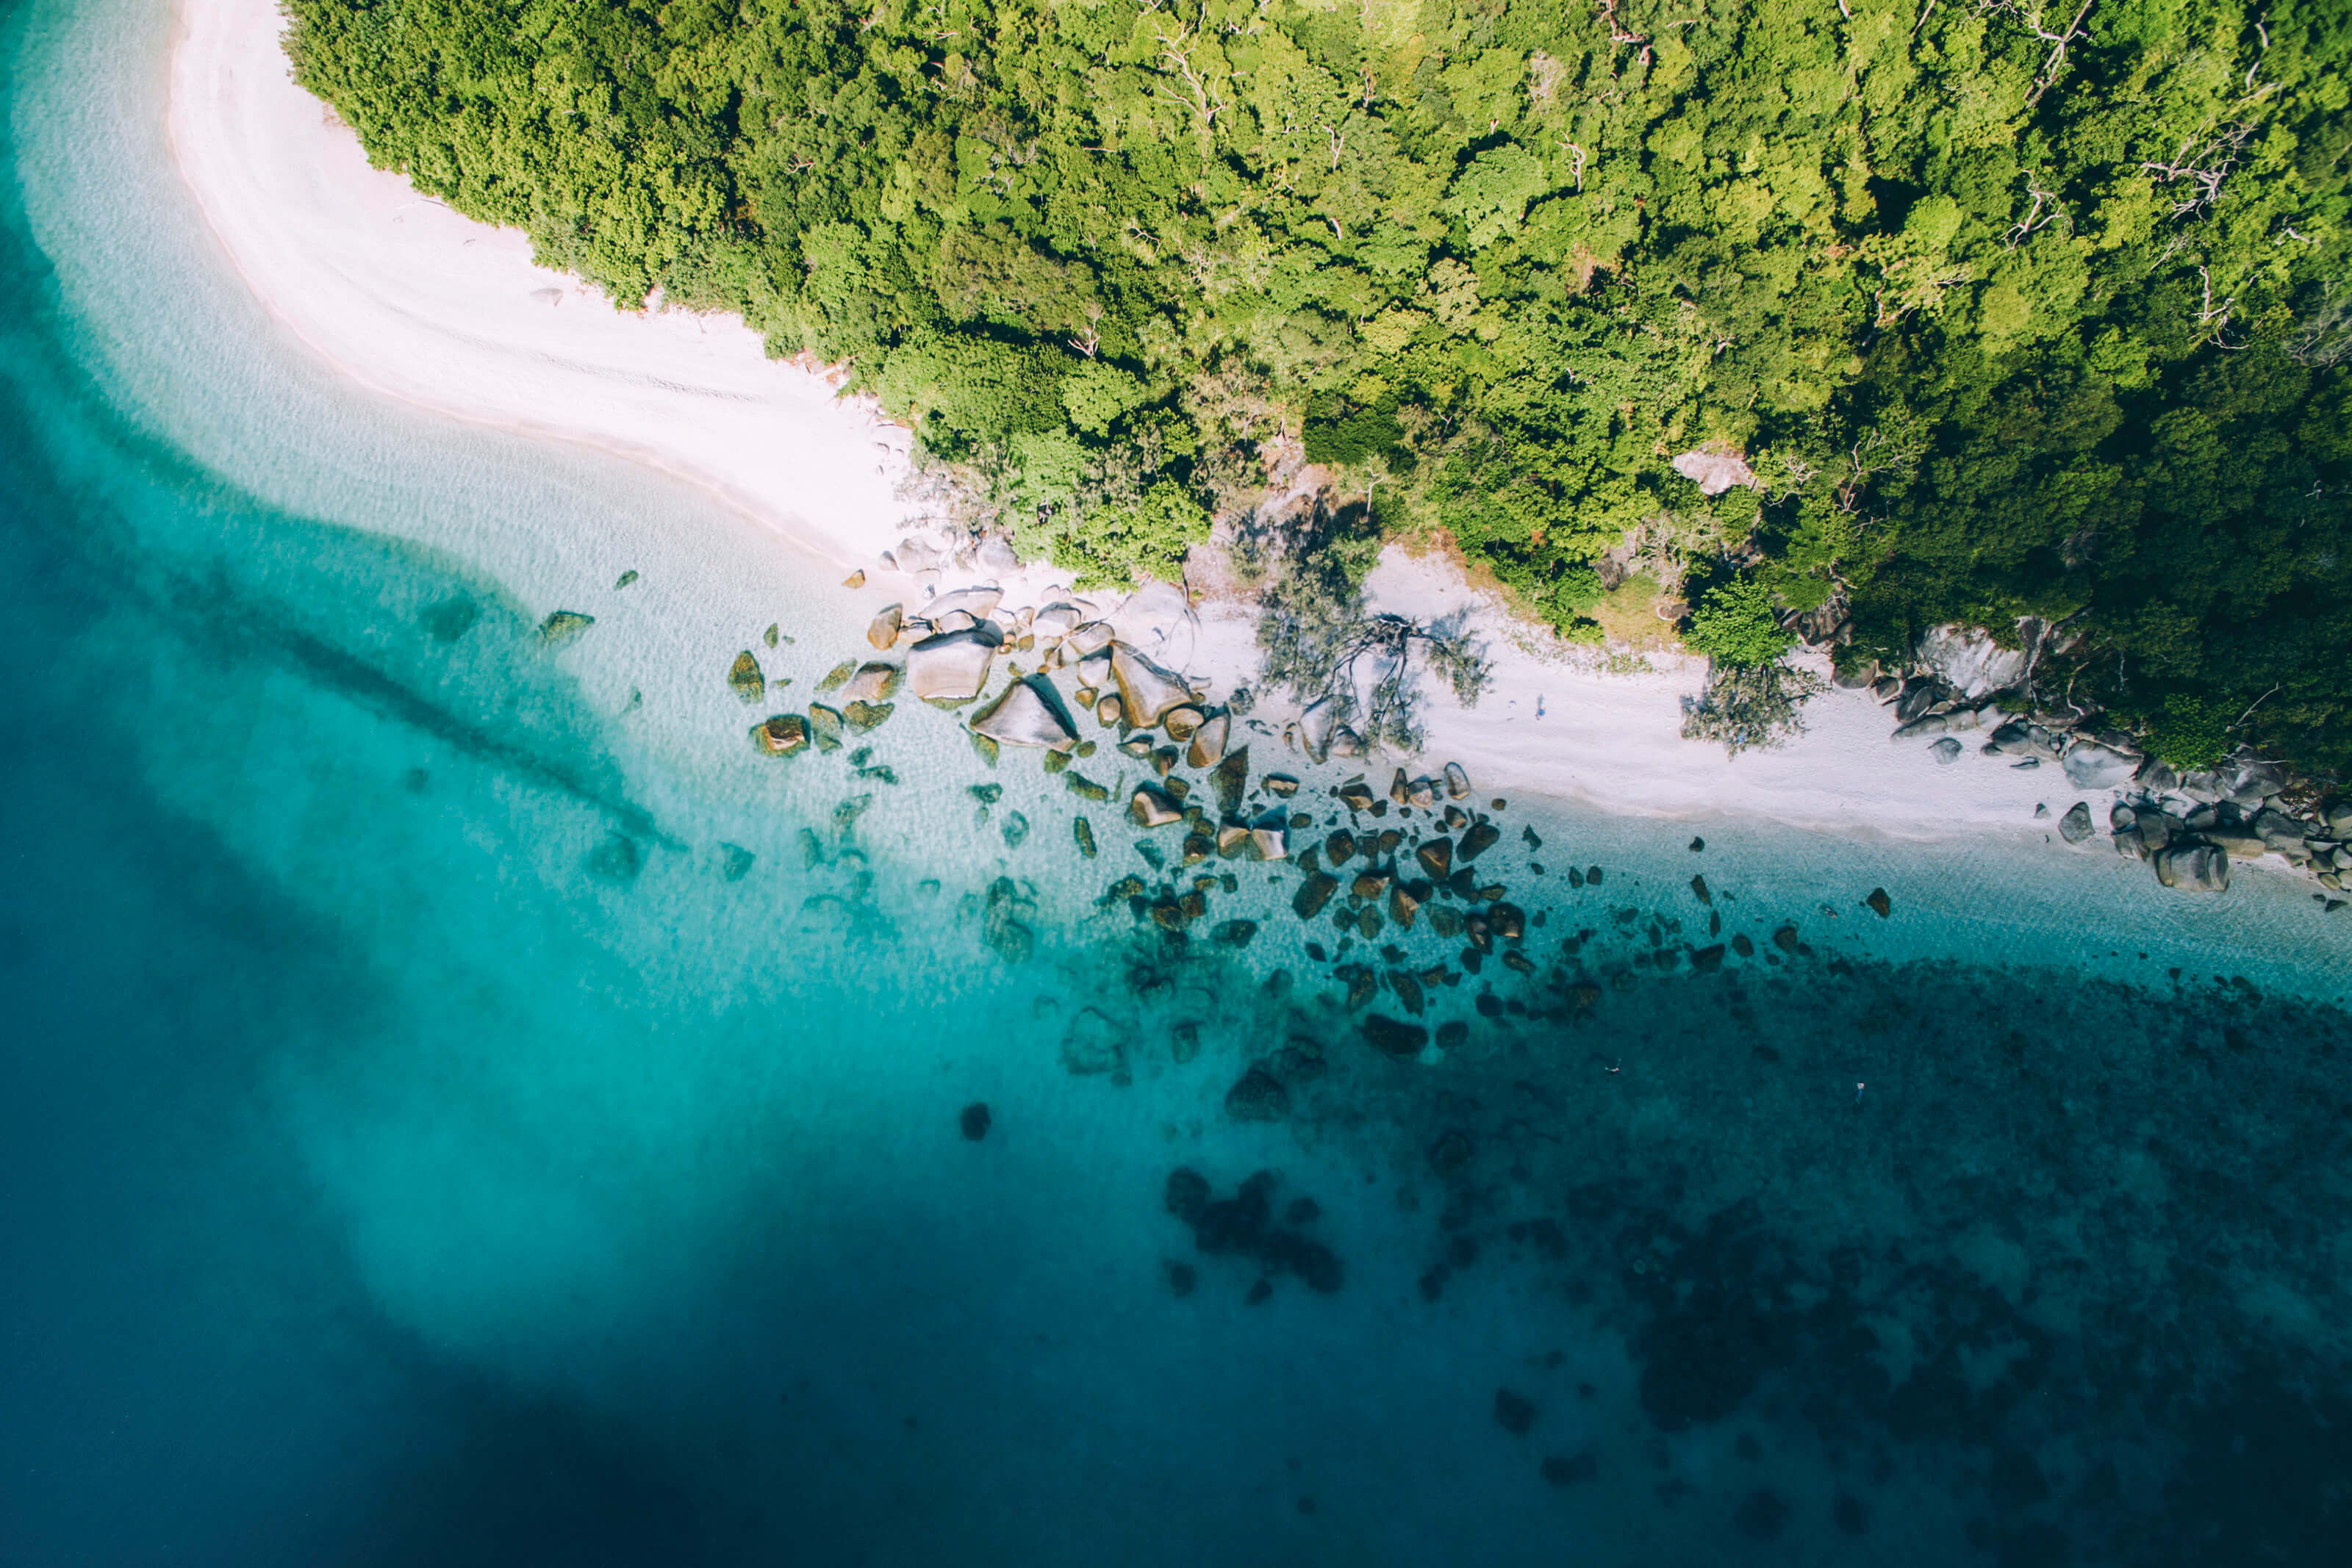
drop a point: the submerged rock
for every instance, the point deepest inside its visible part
(2075, 825)
(744, 677)
(1394, 1036)
(1482, 837)
(617, 860)
(1314, 893)
(1084, 833)
(1231, 779)
(1152, 807)
(1436, 858)
(975, 1120)
(861, 716)
(824, 726)
(874, 682)
(1093, 1044)
(781, 734)
(563, 627)
(1259, 1096)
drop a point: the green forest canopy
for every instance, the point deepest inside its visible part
(2013, 308)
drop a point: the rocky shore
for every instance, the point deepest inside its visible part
(1965, 690)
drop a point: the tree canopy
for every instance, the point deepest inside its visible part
(2013, 308)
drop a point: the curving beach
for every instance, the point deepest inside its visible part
(406, 297)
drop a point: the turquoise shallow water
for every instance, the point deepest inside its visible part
(425, 1138)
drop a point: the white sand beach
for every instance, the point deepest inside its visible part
(420, 304)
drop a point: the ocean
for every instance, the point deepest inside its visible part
(463, 1104)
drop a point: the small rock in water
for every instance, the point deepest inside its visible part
(883, 630)
(824, 726)
(745, 678)
(1458, 782)
(1699, 890)
(2075, 825)
(735, 861)
(1697, 844)
(773, 634)
(861, 716)
(975, 1120)
(1947, 750)
(855, 580)
(874, 682)
(563, 627)
(626, 578)
(617, 860)
(1258, 1096)
(1084, 833)
(1570, 1469)
(837, 676)
(1092, 1045)
(1879, 902)
(781, 734)
(1393, 1037)
(1016, 830)
(1514, 1413)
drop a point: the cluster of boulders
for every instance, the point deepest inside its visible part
(2188, 825)
(2190, 841)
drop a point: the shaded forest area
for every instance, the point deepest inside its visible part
(2012, 308)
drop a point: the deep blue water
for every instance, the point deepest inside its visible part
(424, 1139)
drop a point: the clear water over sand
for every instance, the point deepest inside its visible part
(465, 1105)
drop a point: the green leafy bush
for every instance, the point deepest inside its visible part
(1734, 624)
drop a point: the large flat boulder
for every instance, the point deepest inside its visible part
(2200, 868)
(952, 666)
(1146, 691)
(1208, 746)
(1971, 660)
(2093, 765)
(1713, 472)
(1315, 728)
(977, 602)
(1029, 712)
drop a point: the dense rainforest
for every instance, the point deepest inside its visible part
(2011, 308)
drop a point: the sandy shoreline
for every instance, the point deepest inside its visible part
(419, 304)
